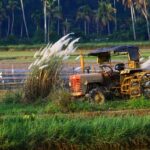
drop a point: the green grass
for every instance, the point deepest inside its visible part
(21, 47)
(93, 45)
(31, 125)
(90, 45)
(10, 105)
(140, 103)
(27, 56)
(30, 131)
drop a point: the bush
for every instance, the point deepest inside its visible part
(12, 97)
(62, 98)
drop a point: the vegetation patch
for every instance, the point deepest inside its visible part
(29, 132)
(45, 70)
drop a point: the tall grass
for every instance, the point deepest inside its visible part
(45, 70)
(23, 132)
(42, 81)
(11, 97)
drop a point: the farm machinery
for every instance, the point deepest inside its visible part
(120, 80)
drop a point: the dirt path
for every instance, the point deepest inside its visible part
(133, 112)
(117, 113)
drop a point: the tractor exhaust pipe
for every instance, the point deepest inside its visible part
(82, 63)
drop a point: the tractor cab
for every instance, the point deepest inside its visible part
(104, 56)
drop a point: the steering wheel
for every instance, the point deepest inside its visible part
(107, 69)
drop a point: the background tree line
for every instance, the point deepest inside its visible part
(38, 21)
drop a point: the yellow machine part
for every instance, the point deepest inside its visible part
(82, 63)
(131, 85)
(133, 64)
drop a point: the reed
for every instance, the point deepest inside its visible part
(45, 70)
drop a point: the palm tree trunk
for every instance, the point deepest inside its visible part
(12, 25)
(58, 23)
(115, 16)
(8, 26)
(21, 31)
(88, 26)
(108, 28)
(148, 29)
(133, 21)
(146, 17)
(45, 21)
(97, 28)
(134, 15)
(85, 27)
(48, 40)
(24, 18)
(58, 27)
(0, 29)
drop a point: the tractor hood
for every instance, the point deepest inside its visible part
(91, 78)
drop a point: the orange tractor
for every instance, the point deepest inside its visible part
(128, 81)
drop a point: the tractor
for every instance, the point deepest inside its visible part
(119, 80)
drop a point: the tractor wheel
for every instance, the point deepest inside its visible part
(145, 85)
(97, 96)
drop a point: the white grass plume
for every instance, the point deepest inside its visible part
(78, 57)
(77, 69)
(50, 51)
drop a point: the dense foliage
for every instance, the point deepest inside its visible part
(99, 20)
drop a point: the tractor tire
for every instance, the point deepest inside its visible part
(97, 96)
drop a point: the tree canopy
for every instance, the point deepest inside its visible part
(27, 21)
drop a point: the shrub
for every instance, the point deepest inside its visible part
(12, 97)
(62, 98)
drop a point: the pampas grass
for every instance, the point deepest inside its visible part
(45, 70)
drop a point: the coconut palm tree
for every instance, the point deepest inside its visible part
(130, 4)
(58, 24)
(2, 15)
(142, 5)
(48, 5)
(66, 25)
(45, 19)
(12, 6)
(115, 15)
(24, 18)
(36, 16)
(84, 13)
(53, 12)
(105, 14)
